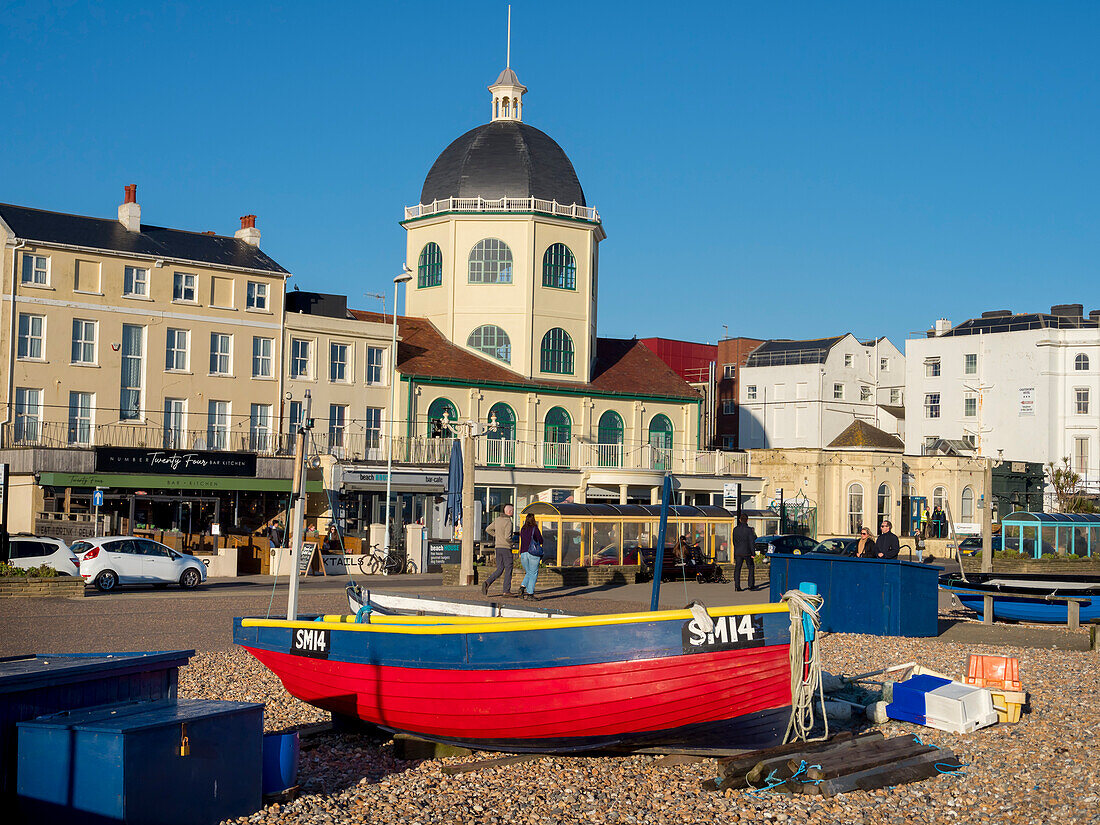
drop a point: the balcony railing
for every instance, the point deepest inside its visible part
(369, 447)
(551, 207)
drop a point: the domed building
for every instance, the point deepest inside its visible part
(506, 248)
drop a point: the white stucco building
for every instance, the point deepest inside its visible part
(805, 393)
(1023, 387)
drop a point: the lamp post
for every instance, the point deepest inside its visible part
(404, 277)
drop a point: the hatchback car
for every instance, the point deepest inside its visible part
(109, 561)
(29, 551)
(785, 544)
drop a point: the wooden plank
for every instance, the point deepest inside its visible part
(495, 762)
(746, 760)
(899, 773)
(762, 769)
(873, 760)
(987, 609)
(670, 759)
(1073, 614)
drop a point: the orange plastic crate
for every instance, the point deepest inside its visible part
(998, 672)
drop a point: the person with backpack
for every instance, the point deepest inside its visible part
(530, 556)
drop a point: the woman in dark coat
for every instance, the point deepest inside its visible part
(865, 548)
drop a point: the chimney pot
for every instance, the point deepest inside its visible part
(129, 212)
(131, 193)
(248, 221)
(248, 231)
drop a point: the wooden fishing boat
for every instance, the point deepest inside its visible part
(1026, 597)
(546, 683)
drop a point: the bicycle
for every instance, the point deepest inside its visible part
(387, 564)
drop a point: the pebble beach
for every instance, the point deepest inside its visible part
(1038, 771)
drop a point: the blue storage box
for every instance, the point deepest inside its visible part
(879, 597)
(33, 686)
(163, 763)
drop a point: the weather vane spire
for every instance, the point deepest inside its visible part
(508, 58)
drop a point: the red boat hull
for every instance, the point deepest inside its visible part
(535, 708)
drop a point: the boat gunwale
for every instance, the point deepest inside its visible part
(954, 583)
(450, 625)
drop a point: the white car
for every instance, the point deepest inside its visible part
(28, 551)
(108, 561)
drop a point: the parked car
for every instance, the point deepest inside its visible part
(610, 555)
(109, 561)
(785, 544)
(693, 567)
(837, 547)
(27, 551)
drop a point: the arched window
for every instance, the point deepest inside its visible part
(939, 498)
(491, 262)
(609, 435)
(504, 111)
(436, 427)
(500, 445)
(558, 431)
(1081, 362)
(557, 352)
(855, 508)
(966, 511)
(491, 340)
(883, 504)
(429, 270)
(559, 267)
(660, 432)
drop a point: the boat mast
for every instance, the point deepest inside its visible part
(298, 498)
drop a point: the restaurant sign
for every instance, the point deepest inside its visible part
(174, 462)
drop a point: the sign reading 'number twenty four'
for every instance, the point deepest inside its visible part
(174, 462)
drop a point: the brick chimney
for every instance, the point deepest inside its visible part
(248, 231)
(129, 213)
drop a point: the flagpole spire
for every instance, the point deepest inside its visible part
(508, 60)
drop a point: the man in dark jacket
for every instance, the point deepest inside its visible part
(744, 540)
(886, 545)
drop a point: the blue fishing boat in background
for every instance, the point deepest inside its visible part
(1026, 597)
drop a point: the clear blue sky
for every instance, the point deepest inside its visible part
(790, 170)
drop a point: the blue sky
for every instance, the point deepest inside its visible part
(786, 169)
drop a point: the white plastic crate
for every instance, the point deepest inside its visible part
(942, 704)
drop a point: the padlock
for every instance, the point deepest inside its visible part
(185, 743)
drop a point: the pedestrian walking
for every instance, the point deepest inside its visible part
(530, 556)
(275, 533)
(865, 547)
(744, 546)
(501, 531)
(887, 546)
(925, 520)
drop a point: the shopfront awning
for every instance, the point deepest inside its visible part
(134, 481)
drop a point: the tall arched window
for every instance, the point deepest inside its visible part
(436, 427)
(609, 435)
(1081, 362)
(559, 267)
(660, 439)
(558, 431)
(500, 444)
(966, 511)
(492, 341)
(939, 498)
(855, 507)
(490, 262)
(557, 352)
(429, 270)
(883, 505)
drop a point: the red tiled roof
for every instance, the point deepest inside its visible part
(622, 367)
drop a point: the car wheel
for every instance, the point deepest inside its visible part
(190, 578)
(106, 581)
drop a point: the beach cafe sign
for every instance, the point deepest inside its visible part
(174, 462)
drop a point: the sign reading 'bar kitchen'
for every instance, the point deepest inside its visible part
(174, 462)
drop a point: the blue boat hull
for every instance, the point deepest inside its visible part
(1022, 609)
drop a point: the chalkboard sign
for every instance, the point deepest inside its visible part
(305, 556)
(441, 553)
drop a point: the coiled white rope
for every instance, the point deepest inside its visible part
(805, 666)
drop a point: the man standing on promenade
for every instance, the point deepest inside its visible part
(886, 545)
(501, 531)
(744, 541)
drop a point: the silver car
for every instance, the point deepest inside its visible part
(108, 561)
(29, 551)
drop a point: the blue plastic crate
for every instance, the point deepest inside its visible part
(124, 763)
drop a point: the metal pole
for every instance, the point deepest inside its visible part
(298, 496)
(987, 519)
(466, 569)
(400, 279)
(5, 479)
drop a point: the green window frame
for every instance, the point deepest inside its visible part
(557, 352)
(490, 262)
(435, 413)
(559, 267)
(660, 431)
(492, 341)
(429, 270)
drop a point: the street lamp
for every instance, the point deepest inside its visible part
(404, 277)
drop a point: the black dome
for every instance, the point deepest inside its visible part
(503, 159)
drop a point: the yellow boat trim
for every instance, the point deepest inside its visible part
(447, 625)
